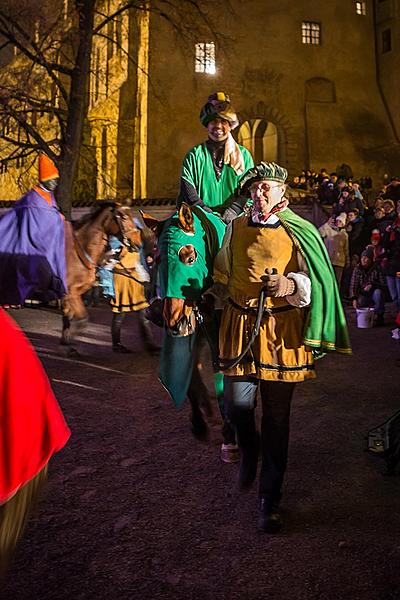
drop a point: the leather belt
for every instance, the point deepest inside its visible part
(267, 311)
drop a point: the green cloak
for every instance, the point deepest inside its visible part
(326, 328)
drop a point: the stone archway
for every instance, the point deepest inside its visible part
(260, 137)
(269, 133)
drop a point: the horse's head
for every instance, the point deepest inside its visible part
(111, 218)
(124, 227)
(187, 243)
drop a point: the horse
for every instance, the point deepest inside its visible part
(86, 242)
(188, 242)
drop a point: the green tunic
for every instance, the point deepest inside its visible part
(198, 170)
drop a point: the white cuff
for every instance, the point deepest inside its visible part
(302, 295)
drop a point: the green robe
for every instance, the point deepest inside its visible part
(326, 328)
(198, 170)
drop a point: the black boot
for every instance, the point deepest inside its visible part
(116, 325)
(269, 517)
(248, 464)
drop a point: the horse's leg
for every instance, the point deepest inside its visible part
(75, 318)
(197, 393)
(66, 331)
(66, 322)
(198, 396)
(146, 333)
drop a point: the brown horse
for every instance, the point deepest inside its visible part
(85, 246)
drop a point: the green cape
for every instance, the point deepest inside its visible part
(326, 328)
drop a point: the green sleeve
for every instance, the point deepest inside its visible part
(189, 171)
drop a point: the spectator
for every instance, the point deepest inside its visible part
(367, 286)
(355, 230)
(377, 247)
(295, 182)
(378, 220)
(391, 262)
(357, 191)
(337, 244)
(323, 174)
(351, 201)
(303, 183)
(390, 211)
(393, 190)
(326, 193)
(333, 177)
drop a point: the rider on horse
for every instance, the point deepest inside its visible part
(211, 171)
(32, 244)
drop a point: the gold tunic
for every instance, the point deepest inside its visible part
(129, 294)
(278, 353)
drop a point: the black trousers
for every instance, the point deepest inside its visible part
(276, 398)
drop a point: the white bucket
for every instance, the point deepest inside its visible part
(365, 317)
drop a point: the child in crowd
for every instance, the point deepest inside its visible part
(367, 286)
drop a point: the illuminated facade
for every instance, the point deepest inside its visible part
(314, 86)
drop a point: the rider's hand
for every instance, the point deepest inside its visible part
(277, 285)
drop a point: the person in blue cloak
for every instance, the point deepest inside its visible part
(32, 243)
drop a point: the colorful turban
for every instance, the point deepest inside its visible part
(218, 106)
(260, 172)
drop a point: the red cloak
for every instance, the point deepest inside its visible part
(32, 427)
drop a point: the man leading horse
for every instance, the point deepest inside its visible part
(281, 307)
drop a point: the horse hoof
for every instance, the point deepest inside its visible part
(200, 430)
(79, 325)
(68, 351)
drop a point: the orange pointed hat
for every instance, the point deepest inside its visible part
(47, 169)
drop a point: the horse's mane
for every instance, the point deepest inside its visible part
(92, 216)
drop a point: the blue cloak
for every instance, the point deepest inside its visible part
(32, 251)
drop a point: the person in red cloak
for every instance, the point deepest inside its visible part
(32, 429)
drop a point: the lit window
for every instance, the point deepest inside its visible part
(205, 58)
(310, 33)
(361, 8)
(386, 40)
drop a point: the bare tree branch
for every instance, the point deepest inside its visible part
(29, 130)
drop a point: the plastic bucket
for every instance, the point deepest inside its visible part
(365, 317)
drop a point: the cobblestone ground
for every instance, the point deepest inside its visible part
(137, 509)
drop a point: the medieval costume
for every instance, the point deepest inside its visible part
(32, 244)
(124, 279)
(211, 170)
(32, 429)
(272, 249)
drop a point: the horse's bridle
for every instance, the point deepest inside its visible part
(124, 231)
(85, 257)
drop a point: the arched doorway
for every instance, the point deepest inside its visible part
(261, 138)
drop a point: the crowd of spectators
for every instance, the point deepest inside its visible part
(362, 238)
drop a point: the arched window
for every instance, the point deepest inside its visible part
(261, 138)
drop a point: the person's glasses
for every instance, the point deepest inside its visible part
(265, 187)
